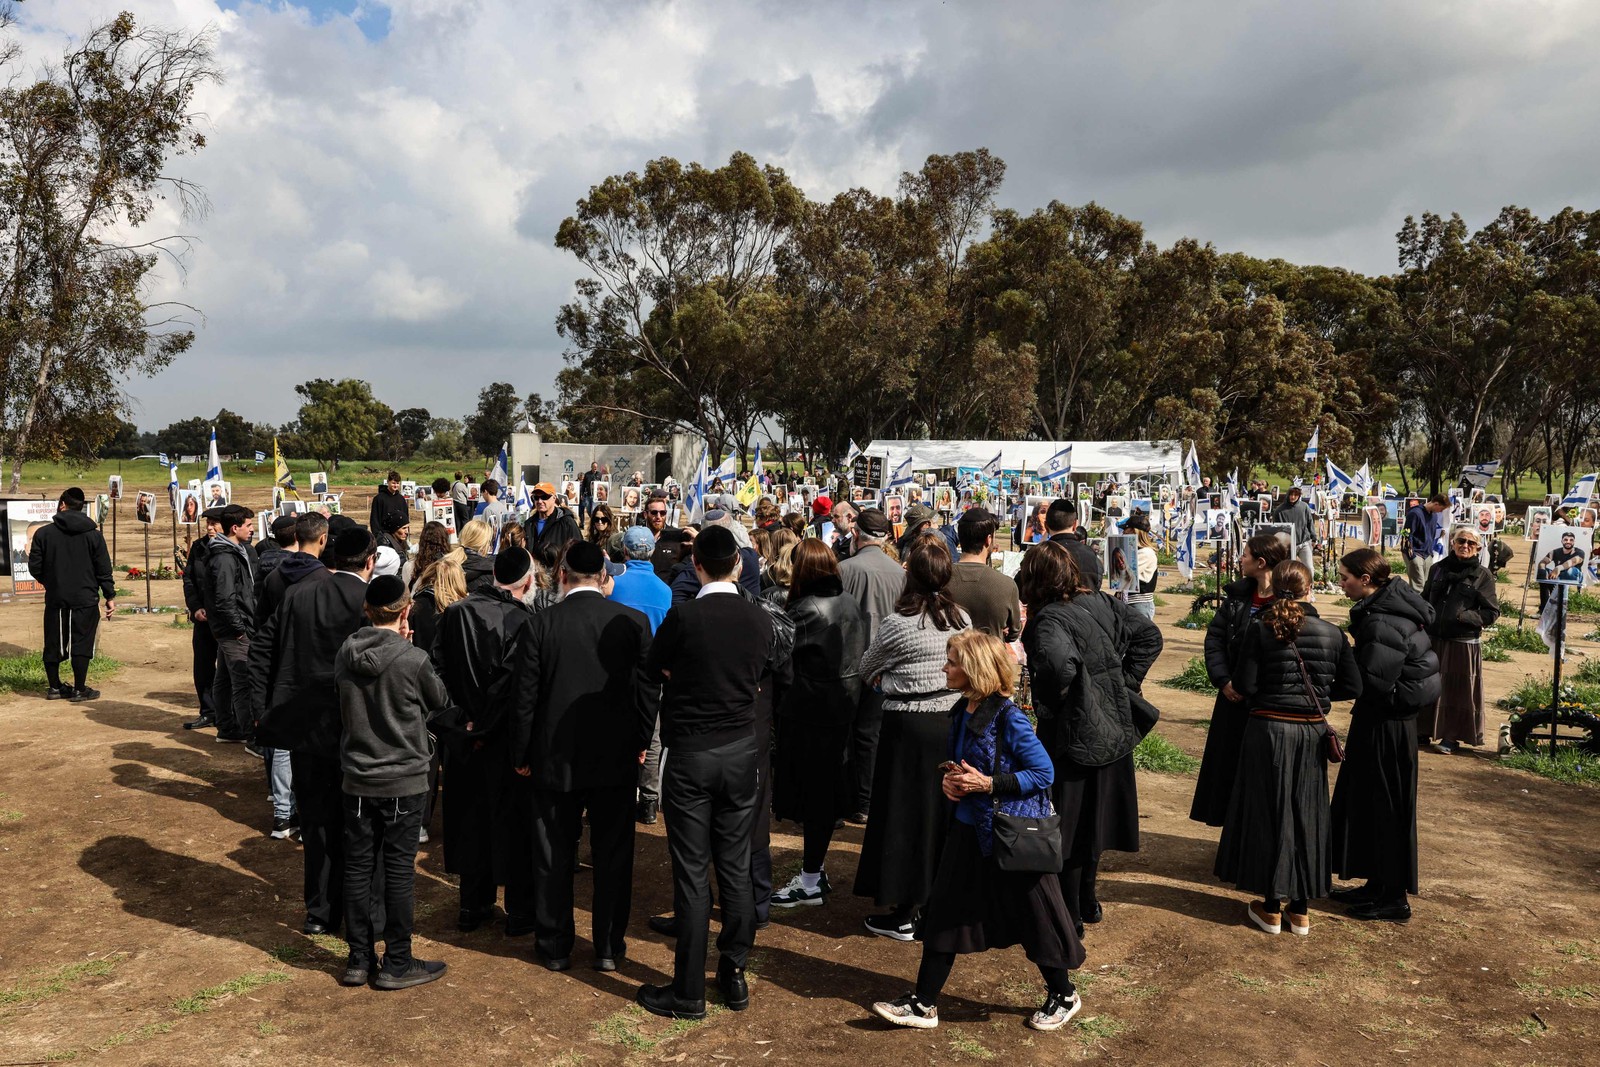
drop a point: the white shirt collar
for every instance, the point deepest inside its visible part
(352, 574)
(717, 587)
(581, 589)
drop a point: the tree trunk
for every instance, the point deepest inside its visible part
(19, 443)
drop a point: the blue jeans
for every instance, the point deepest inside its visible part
(280, 783)
(1147, 608)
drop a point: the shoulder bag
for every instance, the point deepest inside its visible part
(1332, 747)
(1028, 836)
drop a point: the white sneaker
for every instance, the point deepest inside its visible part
(1057, 1012)
(796, 895)
(907, 1011)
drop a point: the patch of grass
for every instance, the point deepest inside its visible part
(1249, 982)
(1511, 639)
(330, 943)
(1535, 693)
(1022, 991)
(1570, 764)
(1097, 1028)
(202, 1000)
(1156, 753)
(1198, 620)
(966, 1046)
(1589, 673)
(568, 1059)
(1494, 654)
(1582, 602)
(1502, 578)
(1575, 992)
(1159, 600)
(1510, 609)
(266, 1029)
(10, 815)
(71, 974)
(62, 1056)
(1580, 951)
(25, 673)
(1530, 1027)
(123, 591)
(622, 1028)
(1192, 679)
(1141, 992)
(1343, 602)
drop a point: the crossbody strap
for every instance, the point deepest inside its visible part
(1305, 678)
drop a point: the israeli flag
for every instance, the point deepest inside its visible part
(1233, 488)
(261, 457)
(172, 483)
(1364, 480)
(991, 469)
(850, 456)
(902, 474)
(729, 470)
(1057, 466)
(1580, 495)
(1185, 553)
(1338, 479)
(1298, 482)
(213, 464)
(761, 475)
(501, 463)
(1478, 474)
(162, 456)
(1192, 467)
(1311, 448)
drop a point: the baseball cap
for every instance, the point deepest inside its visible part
(874, 523)
(637, 539)
(543, 487)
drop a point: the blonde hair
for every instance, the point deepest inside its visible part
(986, 661)
(446, 578)
(782, 566)
(476, 535)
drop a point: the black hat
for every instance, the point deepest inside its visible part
(338, 524)
(351, 543)
(394, 520)
(585, 558)
(874, 523)
(385, 591)
(283, 525)
(715, 546)
(212, 514)
(512, 565)
(1137, 520)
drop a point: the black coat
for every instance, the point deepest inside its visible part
(1226, 633)
(583, 708)
(559, 529)
(291, 664)
(475, 651)
(230, 590)
(1463, 598)
(70, 560)
(1084, 656)
(292, 568)
(478, 570)
(830, 637)
(387, 505)
(1399, 670)
(195, 576)
(1269, 678)
(1087, 559)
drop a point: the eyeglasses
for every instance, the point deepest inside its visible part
(1462, 542)
(655, 511)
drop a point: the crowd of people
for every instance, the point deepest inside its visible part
(535, 678)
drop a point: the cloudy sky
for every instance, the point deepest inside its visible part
(386, 178)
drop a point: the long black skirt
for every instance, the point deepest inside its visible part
(900, 853)
(976, 907)
(809, 767)
(1275, 839)
(1219, 764)
(1099, 809)
(1374, 811)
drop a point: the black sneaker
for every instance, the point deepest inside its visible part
(64, 692)
(358, 972)
(282, 830)
(419, 972)
(907, 1011)
(203, 722)
(80, 695)
(890, 926)
(251, 746)
(231, 739)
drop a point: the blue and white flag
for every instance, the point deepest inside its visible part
(500, 472)
(172, 482)
(902, 474)
(1298, 482)
(1185, 553)
(991, 469)
(261, 457)
(1192, 467)
(1580, 495)
(1364, 480)
(760, 472)
(1311, 448)
(694, 500)
(213, 464)
(1478, 474)
(850, 456)
(1233, 488)
(1057, 466)
(162, 456)
(1338, 479)
(728, 472)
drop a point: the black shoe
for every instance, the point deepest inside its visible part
(1394, 911)
(358, 972)
(204, 722)
(1093, 912)
(419, 972)
(313, 927)
(518, 927)
(255, 749)
(647, 812)
(666, 925)
(80, 695)
(609, 963)
(234, 738)
(735, 991)
(554, 963)
(282, 830)
(662, 1001)
(858, 818)
(1358, 894)
(472, 918)
(63, 692)
(1077, 928)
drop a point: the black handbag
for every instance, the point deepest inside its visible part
(1028, 837)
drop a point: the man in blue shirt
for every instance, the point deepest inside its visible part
(1424, 539)
(639, 588)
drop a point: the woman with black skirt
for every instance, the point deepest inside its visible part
(1086, 651)
(1374, 811)
(815, 713)
(1242, 601)
(1461, 591)
(1275, 840)
(900, 852)
(995, 760)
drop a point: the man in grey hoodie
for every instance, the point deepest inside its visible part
(387, 692)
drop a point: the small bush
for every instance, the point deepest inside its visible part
(1156, 753)
(1198, 620)
(1193, 678)
(1570, 764)
(1582, 603)
(1535, 693)
(1508, 610)
(1589, 673)
(1511, 639)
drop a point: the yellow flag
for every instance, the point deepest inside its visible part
(280, 472)
(749, 492)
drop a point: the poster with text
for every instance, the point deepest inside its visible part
(24, 519)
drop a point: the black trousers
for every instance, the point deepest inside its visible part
(761, 837)
(204, 643)
(557, 827)
(710, 802)
(230, 693)
(380, 873)
(69, 632)
(864, 748)
(320, 798)
(463, 515)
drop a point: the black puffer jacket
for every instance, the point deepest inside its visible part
(478, 571)
(1084, 655)
(70, 560)
(830, 637)
(1269, 678)
(196, 574)
(1462, 595)
(559, 529)
(231, 589)
(1226, 633)
(1399, 670)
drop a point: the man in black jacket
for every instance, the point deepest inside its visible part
(387, 503)
(310, 542)
(298, 708)
(1061, 523)
(201, 641)
(586, 489)
(475, 650)
(583, 715)
(231, 614)
(70, 560)
(270, 551)
(711, 652)
(550, 527)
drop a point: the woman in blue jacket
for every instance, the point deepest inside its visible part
(995, 759)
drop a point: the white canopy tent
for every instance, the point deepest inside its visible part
(1134, 458)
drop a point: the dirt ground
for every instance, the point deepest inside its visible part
(148, 919)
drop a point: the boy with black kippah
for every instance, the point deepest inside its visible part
(387, 692)
(69, 559)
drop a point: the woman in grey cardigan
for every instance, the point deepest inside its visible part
(905, 661)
